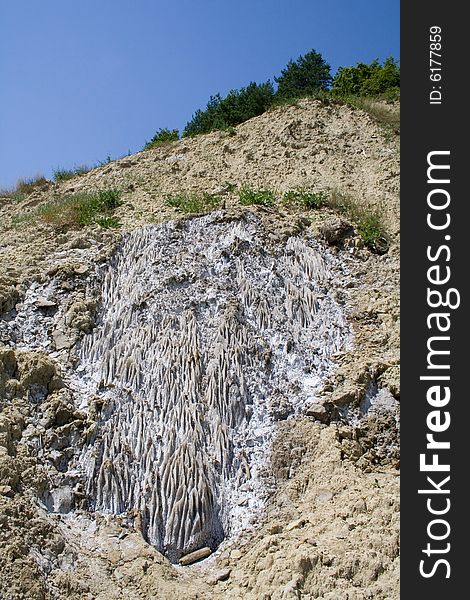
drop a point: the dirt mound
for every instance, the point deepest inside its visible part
(329, 528)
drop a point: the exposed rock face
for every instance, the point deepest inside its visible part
(201, 329)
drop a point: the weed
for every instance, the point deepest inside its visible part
(258, 197)
(106, 161)
(193, 202)
(21, 218)
(108, 222)
(305, 199)
(370, 230)
(287, 101)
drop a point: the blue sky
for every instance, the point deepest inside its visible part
(81, 80)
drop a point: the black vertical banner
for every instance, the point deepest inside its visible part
(434, 290)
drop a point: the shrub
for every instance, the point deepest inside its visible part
(258, 197)
(306, 76)
(64, 174)
(193, 202)
(305, 199)
(237, 107)
(163, 136)
(371, 79)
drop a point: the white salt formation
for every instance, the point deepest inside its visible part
(203, 332)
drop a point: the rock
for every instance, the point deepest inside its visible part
(274, 529)
(221, 575)
(81, 269)
(345, 432)
(311, 541)
(334, 229)
(324, 496)
(126, 164)
(6, 490)
(60, 500)
(359, 507)
(236, 554)
(282, 409)
(44, 303)
(80, 315)
(113, 556)
(36, 370)
(291, 590)
(193, 557)
(297, 524)
(318, 411)
(61, 341)
(346, 394)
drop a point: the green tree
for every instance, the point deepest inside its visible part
(237, 107)
(307, 75)
(364, 79)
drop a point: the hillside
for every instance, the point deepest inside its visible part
(266, 336)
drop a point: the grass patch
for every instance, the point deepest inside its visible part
(27, 186)
(193, 202)
(24, 187)
(258, 197)
(11, 194)
(80, 209)
(305, 199)
(64, 174)
(382, 114)
(368, 220)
